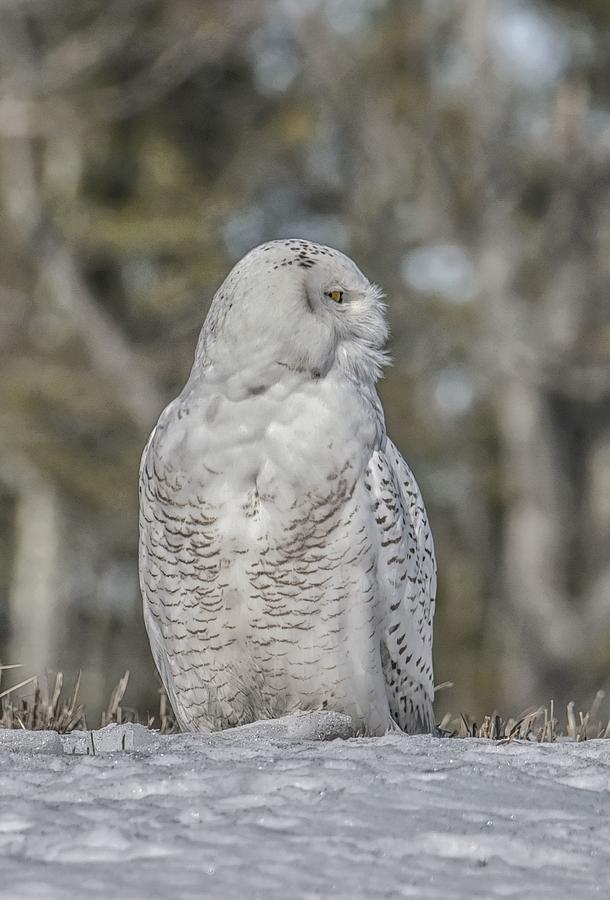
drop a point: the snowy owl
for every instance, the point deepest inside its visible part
(286, 561)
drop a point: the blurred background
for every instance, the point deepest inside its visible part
(459, 152)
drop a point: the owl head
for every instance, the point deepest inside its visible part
(292, 306)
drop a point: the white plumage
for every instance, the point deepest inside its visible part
(286, 562)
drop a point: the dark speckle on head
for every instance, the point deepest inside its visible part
(302, 254)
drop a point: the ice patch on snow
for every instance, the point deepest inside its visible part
(110, 739)
(22, 741)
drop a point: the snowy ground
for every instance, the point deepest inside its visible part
(281, 810)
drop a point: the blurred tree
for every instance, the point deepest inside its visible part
(458, 151)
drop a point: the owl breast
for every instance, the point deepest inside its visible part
(272, 607)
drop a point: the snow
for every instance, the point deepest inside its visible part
(292, 808)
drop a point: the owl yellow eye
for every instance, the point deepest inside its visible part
(337, 296)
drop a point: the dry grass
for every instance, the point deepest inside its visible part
(538, 724)
(47, 707)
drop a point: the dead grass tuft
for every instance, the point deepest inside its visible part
(47, 708)
(539, 725)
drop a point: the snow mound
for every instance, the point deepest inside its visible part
(296, 807)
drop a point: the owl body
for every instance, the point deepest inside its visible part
(286, 562)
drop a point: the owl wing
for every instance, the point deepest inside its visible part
(406, 572)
